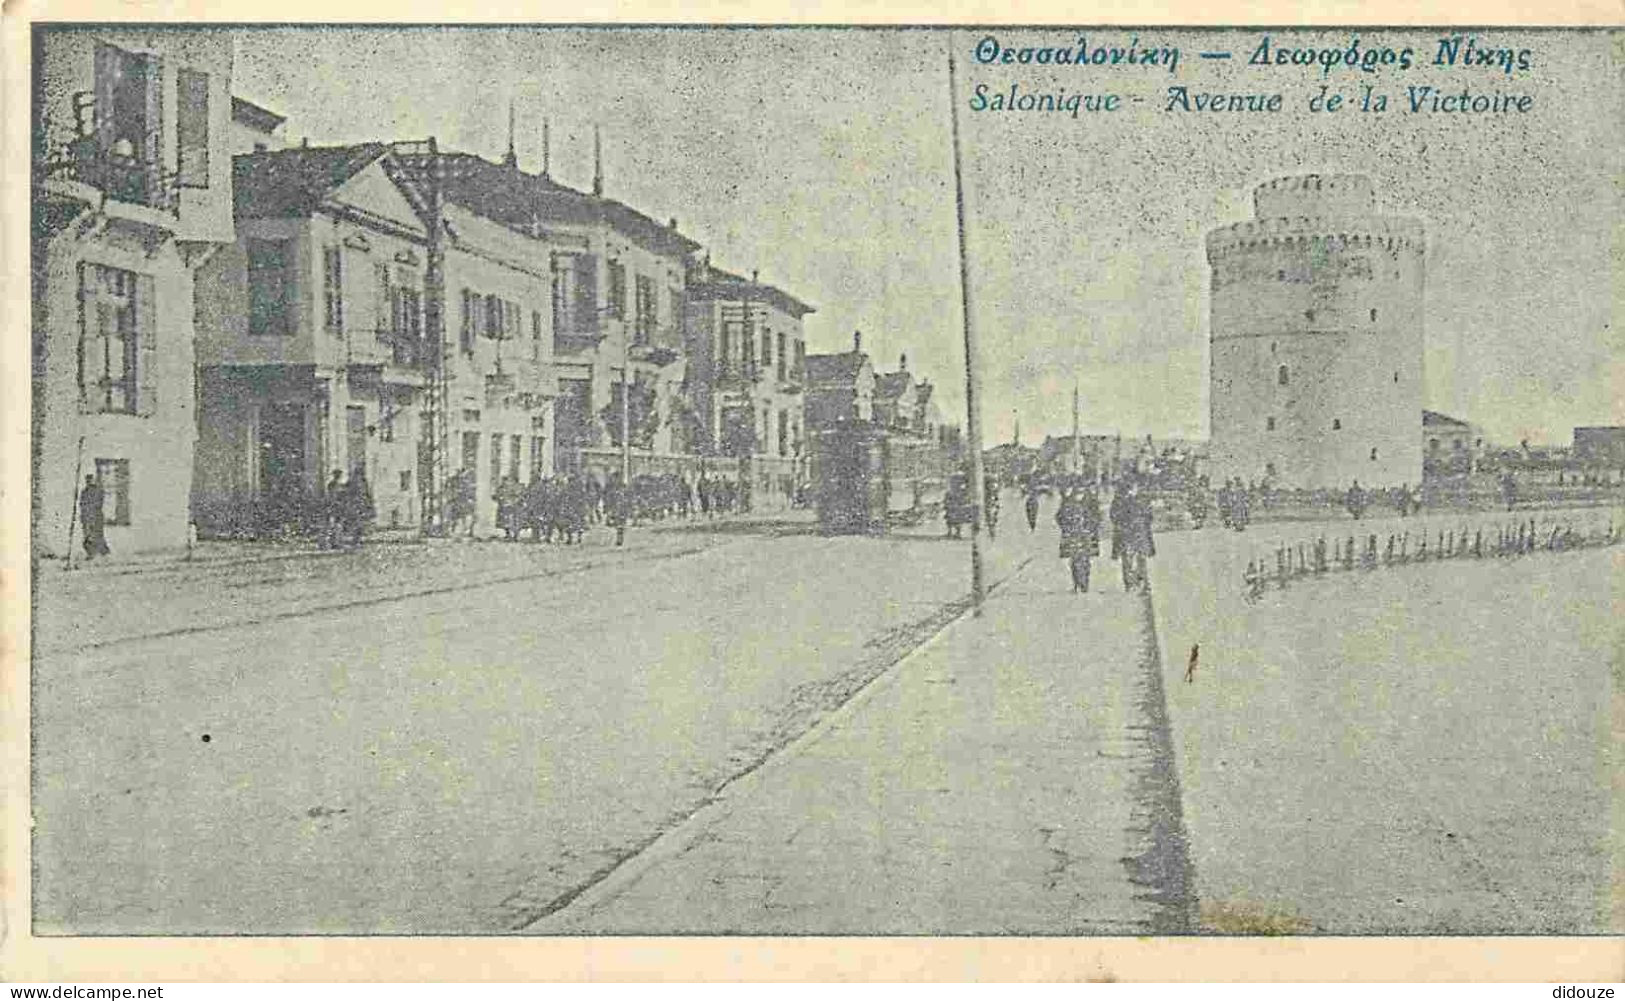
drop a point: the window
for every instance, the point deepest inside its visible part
(113, 476)
(537, 451)
(1396, 378)
(1281, 376)
(767, 348)
(270, 287)
(408, 323)
(1373, 316)
(1337, 425)
(192, 127)
(129, 125)
(801, 358)
(515, 445)
(471, 449)
(784, 426)
(1373, 455)
(1269, 424)
(496, 459)
(383, 320)
(616, 306)
(645, 323)
(117, 341)
(781, 362)
(465, 337)
(406, 480)
(333, 289)
(535, 335)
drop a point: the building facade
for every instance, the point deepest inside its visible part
(133, 192)
(312, 356)
(1316, 329)
(840, 388)
(747, 364)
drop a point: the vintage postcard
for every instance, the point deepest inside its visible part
(1033, 482)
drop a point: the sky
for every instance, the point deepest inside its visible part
(823, 158)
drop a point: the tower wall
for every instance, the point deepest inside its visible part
(1332, 293)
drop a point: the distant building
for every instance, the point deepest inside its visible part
(1317, 338)
(1449, 444)
(896, 398)
(747, 365)
(840, 387)
(134, 192)
(1604, 446)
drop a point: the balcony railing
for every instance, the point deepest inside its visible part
(119, 177)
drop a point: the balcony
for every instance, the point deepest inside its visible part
(117, 174)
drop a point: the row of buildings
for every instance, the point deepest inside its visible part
(223, 320)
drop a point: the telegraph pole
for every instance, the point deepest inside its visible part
(973, 422)
(1077, 445)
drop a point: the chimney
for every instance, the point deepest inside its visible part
(902, 362)
(547, 149)
(672, 224)
(753, 274)
(857, 340)
(304, 143)
(511, 160)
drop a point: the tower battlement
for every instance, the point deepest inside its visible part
(1323, 196)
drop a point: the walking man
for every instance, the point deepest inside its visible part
(93, 518)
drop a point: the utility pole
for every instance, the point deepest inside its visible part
(973, 422)
(1077, 444)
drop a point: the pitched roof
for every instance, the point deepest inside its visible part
(1434, 419)
(521, 200)
(843, 367)
(891, 385)
(255, 117)
(715, 283)
(292, 182)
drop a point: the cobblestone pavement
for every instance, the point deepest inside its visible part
(1004, 779)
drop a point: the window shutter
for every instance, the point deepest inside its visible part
(586, 305)
(192, 127)
(87, 321)
(383, 321)
(146, 340)
(152, 147)
(108, 64)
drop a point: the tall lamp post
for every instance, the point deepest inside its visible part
(973, 423)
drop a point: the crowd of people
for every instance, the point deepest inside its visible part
(562, 508)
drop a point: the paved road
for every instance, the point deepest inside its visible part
(448, 760)
(1011, 777)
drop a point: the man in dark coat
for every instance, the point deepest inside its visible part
(93, 518)
(1032, 501)
(1079, 520)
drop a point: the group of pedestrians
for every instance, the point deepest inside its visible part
(563, 508)
(1079, 518)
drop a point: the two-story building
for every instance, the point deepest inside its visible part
(311, 345)
(747, 363)
(615, 302)
(133, 192)
(840, 388)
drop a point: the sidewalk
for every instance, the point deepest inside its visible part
(1000, 780)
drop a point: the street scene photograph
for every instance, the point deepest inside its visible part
(820, 481)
